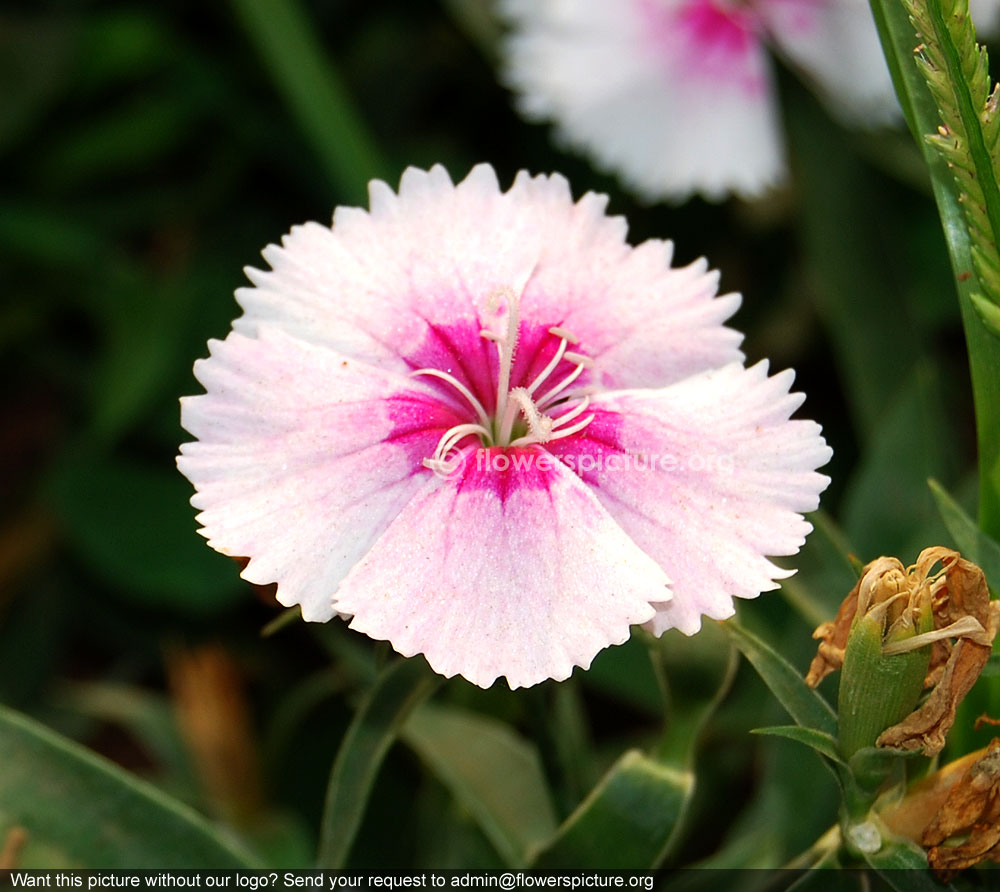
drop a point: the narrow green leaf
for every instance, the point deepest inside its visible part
(314, 92)
(972, 542)
(898, 42)
(626, 821)
(491, 771)
(81, 811)
(397, 692)
(824, 744)
(803, 704)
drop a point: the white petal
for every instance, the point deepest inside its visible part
(654, 103)
(303, 458)
(373, 285)
(381, 286)
(835, 43)
(516, 573)
(718, 480)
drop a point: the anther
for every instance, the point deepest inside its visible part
(565, 335)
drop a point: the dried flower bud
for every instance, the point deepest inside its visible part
(878, 688)
(893, 637)
(962, 611)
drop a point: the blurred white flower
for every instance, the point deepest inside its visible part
(677, 96)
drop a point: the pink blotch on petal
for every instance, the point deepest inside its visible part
(707, 39)
(303, 457)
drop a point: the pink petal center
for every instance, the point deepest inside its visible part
(508, 383)
(711, 40)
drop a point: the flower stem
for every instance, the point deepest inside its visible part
(924, 117)
(314, 93)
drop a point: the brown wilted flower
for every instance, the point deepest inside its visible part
(972, 809)
(885, 586)
(963, 612)
(832, 638)
(965, 622)
(954, 813)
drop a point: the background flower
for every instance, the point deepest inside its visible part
(678, 97)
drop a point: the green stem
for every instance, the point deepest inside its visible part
(978, 152)
(898, 42)
(315, 94)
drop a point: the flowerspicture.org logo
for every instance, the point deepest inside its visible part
(502, 461)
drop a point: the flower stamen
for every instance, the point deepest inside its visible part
(503, 428)
(582, 362)
(484, 418)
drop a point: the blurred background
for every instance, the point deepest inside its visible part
(148, 152)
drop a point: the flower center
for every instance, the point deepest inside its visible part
(522, 417)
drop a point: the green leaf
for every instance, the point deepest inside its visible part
(81, 811)
(824, 744)
(314, 93)
(803, 704)
(400, 688)
(972, 542)
(626, 821)
(133, 526)
(887, 509)
(491, 771)
(903, 865)
(149, 717)
(871, 765)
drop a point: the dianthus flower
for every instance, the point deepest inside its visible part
(486, 429)
(677, 96)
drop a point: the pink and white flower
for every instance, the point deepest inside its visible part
(677, 96)
(413, 425)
